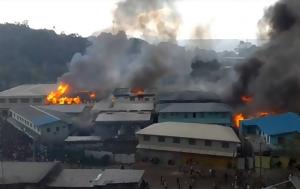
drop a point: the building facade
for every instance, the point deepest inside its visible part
(38, 124)
(275, 130)
(206, 113)
(183, 143)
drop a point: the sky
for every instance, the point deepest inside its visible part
(225, 19)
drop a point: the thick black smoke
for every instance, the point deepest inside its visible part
(272, 75)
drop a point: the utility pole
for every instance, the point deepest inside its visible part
(260, 158)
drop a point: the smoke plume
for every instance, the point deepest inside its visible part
(272, 76)
(150, 20)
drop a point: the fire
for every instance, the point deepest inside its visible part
(59, 96)
(247, 99)
(237, 119)
(93, 95)
(138, 91)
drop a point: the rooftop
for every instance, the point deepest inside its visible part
(29, 90)
(128, 92)
(76, 178)
(123, 116)
(276, 124)
(191, 96)
(74, 108)
(34, 114)
(25, 172)
(194, 107)
(116, 176)
(83, 138)
(106, 106)
(191, 130)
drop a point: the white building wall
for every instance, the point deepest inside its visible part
(184, 143)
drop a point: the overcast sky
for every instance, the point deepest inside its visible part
(227, 19)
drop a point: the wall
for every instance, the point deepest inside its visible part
(184, 143)
(58, 132)
(197, 117)
(6, 102)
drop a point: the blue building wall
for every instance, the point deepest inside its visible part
(222, 118)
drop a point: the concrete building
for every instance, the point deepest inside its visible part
(276, 130)
(38, 124)
(119, 178)
(97, 178)
(108, 106)
(28, 94)
(84, 142)
(134, 95)
(185, 143)
(75, 178)
(186, 97)
(33, 175)
(207, 113)
(119, 124)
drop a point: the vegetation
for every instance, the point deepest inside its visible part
(34, 56)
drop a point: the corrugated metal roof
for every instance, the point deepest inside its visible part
(73, 108)
(194, 107)
(123, 116)
(276, 124)
(82, 138)
(24, 172)
(119, 176)
(186, 150)
(37, 116)
(29, 90)
(76, 178)
(106, 106)
(191, 130)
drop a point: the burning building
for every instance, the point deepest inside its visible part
(134, 94)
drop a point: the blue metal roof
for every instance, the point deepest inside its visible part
(276, 124)
(37, 116)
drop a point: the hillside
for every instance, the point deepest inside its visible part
(34, 56)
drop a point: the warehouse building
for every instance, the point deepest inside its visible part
(34, 94)
(207, 113)
(185, 143)
(38, 124)
(120, 124)
(275, 130)
(34, 175)
(134, 95)
(27, 94)
(109, 106)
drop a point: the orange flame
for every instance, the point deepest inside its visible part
(247, 99)
(138, 91)
(59, 96)
(237, 119)
(93, 95)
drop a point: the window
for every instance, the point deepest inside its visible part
(2, 100)
(185, 115)
(57, 129)
(225, 145)
(164, 115)
(24, 100)
(48, 130)
(131, 98)
(161, 139)
(224, 114)
(201, 114)
(37, 100)
(172, 114)
(146, 137)
(146, 99)
(192, 141)
(194, 115)
(207, 143)
(176, 140)
(12, 100)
